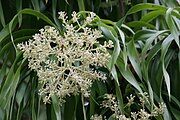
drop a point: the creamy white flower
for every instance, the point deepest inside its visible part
(75, 17)
(142, 114)
(64, 62)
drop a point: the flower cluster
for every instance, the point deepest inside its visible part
(96, 117)
(65, 62)
(111, 103)
(130, 100)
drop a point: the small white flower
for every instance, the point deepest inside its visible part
(62, 16)
(130, 100)
(90, 18)
(74, 16)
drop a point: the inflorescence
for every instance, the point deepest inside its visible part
(142, 114)
(64, 62)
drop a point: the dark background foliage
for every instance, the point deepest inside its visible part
(149, 59)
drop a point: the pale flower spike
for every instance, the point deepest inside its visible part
(142, 114)
(64, 62)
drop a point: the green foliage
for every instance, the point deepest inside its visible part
(145, 57)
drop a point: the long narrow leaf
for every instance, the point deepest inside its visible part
(117, 48)
(133, 57)
(143, 6)
(128, 75)
(151, 39)
(172, 26)
(152, 15)
(2, 15)
(165, 45)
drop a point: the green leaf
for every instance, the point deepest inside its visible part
(119, 97)
(140, 7)
(20, 93)
(30, 12)
(101, 88)
(5, 31)
(2, 114)
(165, 45)
(36, 5)
(151, 39)
(107, 29)
(133, 57)
(124, 52)
(118, 90)
(92, 101)
(70, 108)
(3, 70)
(142, 35)
(172, 26)
(10, 84)
(140, 24)
(177, 22)
(9, 45)
(117, 48)
(128, 75)
(19, 7)
(150, 90)
(153, 51)
(179, 59)
(174, 100)
(144, 6)
(56, 107)
(166, 114)
(54, 4)
(121, 21)
(152, 15)
(128, 28)
(2, 15)
(145, 64)
(114, 74)
(175, 13)
(175, 112)
(157, 72)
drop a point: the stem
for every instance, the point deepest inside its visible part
(121, 8)
(17, 117)
(11, 107)
(81, 5)
(84, 111)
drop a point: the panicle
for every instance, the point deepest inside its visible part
(64, 62)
